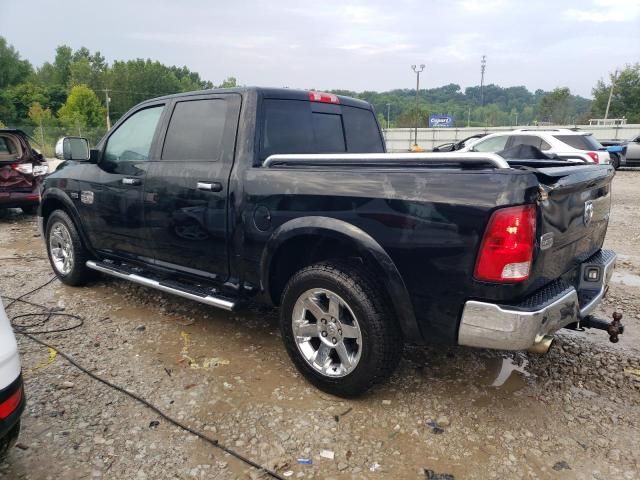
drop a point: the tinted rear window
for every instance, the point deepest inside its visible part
(291, 126)
(581, 142)
(6, 146)
(195, 130)
(361, 131)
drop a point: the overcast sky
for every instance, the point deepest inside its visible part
(352, 44)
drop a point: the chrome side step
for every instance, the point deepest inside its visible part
(148, 282)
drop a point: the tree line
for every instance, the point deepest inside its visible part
(80, 93)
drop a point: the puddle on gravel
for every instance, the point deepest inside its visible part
(506, 373)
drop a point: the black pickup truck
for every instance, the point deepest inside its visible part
(287, 197)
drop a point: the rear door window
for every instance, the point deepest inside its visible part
(580, 142)
(196, 130)
(292, 126)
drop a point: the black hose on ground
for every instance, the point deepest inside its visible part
(47, 313)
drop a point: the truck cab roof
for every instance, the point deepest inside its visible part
(270, 92)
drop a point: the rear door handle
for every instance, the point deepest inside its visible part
(210, 186)
(131, 181)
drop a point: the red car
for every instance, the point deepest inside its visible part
(21, 171)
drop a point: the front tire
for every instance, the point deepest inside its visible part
(67, 254)
(338, 328)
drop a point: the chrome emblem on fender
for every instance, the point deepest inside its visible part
(588, 212)
(86, 197)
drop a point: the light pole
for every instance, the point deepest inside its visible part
(418, 70)
(388, 115)
(107, 101)
(613, 82)
(483, 66)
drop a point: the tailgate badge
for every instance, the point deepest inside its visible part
(546, 241)
(588, 212)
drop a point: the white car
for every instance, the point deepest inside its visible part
(567, 144)
(12, 400)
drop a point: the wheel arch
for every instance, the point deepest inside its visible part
(55, 199)
(307, 240)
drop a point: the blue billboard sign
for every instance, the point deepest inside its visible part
(440, 121)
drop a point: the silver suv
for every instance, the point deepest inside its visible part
(567, 144)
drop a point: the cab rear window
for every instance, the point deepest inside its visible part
(292, 126)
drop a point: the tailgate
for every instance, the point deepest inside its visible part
(13, 180)
(573, 217)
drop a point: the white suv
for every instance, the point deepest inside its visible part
(567, 144)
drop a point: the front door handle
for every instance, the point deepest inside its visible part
(210, 186)
(131, 181)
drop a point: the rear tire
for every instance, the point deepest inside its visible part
(67, 254)
(346, 339)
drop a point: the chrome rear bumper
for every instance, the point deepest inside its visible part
(518, 327)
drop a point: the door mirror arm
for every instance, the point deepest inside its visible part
(94, 155)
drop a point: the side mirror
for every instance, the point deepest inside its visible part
(72, 148)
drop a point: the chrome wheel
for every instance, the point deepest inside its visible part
(61, 248)
(326, 332)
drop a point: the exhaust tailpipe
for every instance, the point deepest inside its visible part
(542, 345)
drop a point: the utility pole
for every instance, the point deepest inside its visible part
(418, 70)
(388, 115)
(613, 82)
(469, 118)
(107, 101)
(483, 66)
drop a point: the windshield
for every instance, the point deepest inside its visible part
(581, 142)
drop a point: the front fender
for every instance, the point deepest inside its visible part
(363, 242)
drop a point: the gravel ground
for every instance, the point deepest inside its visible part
(573, 413)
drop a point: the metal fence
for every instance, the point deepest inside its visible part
(401, 139)
(397, 139)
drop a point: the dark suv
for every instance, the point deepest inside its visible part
(21, 171)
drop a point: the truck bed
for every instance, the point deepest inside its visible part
(431, 221)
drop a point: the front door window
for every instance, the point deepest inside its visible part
(131, 142)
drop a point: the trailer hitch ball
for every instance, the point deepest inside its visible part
(615, 328)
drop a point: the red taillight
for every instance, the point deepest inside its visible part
(10, 404)
(25, 168)
(594, 156)
(323, 97)
(506, 251)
